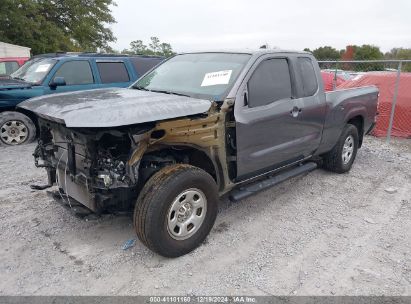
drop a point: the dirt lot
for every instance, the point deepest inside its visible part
(319, 234)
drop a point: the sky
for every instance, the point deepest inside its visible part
(190, 25)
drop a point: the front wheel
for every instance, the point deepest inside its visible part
(16, 129)
(176, 210)
(341, 157)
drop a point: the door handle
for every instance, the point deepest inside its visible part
(295, 111)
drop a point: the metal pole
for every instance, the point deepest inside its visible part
(335, 76)
(394, 101)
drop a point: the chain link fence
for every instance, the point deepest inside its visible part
(392, 77)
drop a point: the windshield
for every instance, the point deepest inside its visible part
(34, 70)
(204, 75)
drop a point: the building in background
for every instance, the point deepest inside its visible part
(12, 57)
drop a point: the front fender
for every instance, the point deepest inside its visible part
(9, 99)
(6, 105)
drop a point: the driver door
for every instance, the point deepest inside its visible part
(267, 128)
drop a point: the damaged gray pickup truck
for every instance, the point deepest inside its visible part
(197, 127)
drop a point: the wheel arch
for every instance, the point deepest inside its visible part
(358, 122)
(29, 114)
(192, 155)
(15, 114)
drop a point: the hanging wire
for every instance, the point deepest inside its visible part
(65, 182)
(57, 179)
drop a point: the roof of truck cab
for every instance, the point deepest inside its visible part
(249, 51)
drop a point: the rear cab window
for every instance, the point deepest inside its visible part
(112, 72)
(308, 76)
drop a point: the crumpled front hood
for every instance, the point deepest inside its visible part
(113, 107)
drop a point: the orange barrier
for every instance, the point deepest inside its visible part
(385, 81)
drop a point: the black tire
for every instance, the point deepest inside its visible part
(156, 199)
(333, 160)
(19, 123)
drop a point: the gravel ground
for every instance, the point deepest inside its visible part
(319, 234)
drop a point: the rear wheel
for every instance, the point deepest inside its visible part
(342, 156)
(16, 129)
(176, 210)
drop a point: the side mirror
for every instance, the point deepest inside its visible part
(58, 82)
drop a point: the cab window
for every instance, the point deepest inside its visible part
(76, 72)
(112, 72)
(270, 82)
(309, 79)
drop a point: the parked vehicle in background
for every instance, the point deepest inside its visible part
(198, 126)
(346, 75)
(59, 73)
(11, 64)
(12, 57)
(331, 81)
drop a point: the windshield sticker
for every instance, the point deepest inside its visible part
(42, 68)
(215, 78)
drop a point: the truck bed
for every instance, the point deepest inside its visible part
(337, 96)
(344, 104)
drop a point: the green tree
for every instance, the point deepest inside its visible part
(138, 47)
(155, 47)
(400, 53)
(57, 25)
(368, 52)
(326, 53)
(110, 50)
(166, 49)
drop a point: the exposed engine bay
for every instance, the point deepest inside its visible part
(105, 168)
(86, 164)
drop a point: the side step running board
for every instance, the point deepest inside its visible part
(246, 191)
